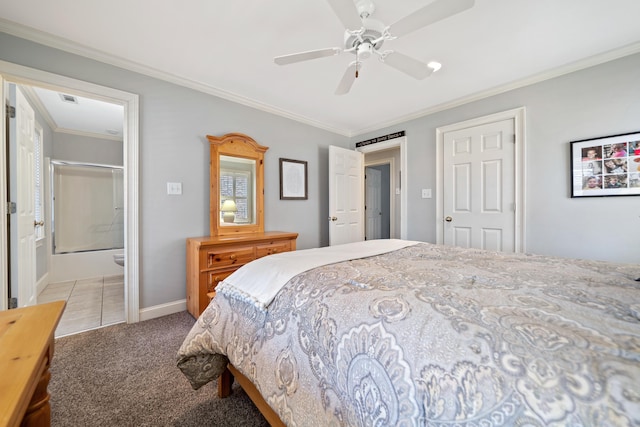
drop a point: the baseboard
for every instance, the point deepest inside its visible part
(163, 310)
(42, 283)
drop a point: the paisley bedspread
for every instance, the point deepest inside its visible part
(430, 335)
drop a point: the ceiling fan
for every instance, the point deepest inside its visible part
(365, 36)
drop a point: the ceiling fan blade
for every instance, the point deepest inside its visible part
(408, 65)
(433, 12)
(347, 12)
(348, 78)
(305, 56)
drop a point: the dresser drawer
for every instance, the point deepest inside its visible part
(217, 276)
(272, 248)
(219, 258)
(211, 259)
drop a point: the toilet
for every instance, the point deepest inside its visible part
(119, 259)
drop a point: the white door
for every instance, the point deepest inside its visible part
(479, 186)
(346, 190)
(25, 202)
(373, 204)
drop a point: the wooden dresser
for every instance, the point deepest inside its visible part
(26, 349)
(211, 259)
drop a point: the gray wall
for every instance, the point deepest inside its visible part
(84, 149)
(173, 123)
(598, 101)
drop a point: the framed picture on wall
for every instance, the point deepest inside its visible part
(293, 179)
(606, 166)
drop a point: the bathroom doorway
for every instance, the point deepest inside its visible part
(18, 75)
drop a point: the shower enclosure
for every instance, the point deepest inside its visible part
(88, 207)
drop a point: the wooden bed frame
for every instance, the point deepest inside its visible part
(225, 381)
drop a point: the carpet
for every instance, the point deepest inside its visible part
(126, 375)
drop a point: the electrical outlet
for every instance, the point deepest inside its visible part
(426, 193)
(174, 188)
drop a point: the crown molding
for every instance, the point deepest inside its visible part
(76, 48)
(594, 60)
(88, 134)
(73, 47)
(35, 101)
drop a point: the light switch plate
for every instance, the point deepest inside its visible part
(174, 188)
(426, 193)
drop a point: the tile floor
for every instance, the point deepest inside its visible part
(91, 303)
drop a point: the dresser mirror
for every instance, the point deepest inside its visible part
(236, 194)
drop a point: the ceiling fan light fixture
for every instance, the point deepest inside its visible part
(364, 50)
(435, 66)
(364, 36)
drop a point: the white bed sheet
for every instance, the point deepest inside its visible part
(259, 281)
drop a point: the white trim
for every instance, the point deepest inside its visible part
(88, 134)
(4, 259)
(30, 76)
(518, 116)
(36, 102)
(56, 42)
(78, 49)
(163, 310)
(402, 144)
(41, 284)
(131, 184)
(537, 78)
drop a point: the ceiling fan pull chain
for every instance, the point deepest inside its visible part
(357, 63)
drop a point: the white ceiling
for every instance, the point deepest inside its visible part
(85, 116)
(227, 48)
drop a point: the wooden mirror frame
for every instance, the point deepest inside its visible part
(235, 145)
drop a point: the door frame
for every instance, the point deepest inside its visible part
(33, 77)
(400, 143)
(518, 116)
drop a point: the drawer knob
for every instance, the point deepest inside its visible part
(232, 256)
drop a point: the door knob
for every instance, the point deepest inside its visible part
(448, 219)
(333, 218)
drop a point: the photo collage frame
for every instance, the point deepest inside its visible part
(606, 166)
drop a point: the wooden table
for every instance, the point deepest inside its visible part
(26, 349)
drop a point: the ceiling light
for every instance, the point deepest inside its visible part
(435, 66)
(364, 50)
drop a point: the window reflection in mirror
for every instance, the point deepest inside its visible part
(237, 191)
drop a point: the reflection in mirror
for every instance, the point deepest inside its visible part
(237, 191)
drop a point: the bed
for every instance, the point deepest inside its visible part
(406, 333)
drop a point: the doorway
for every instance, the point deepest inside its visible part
(390, 158)
(378, 201)
(480, 181)
(20, 75)
(352, 196)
